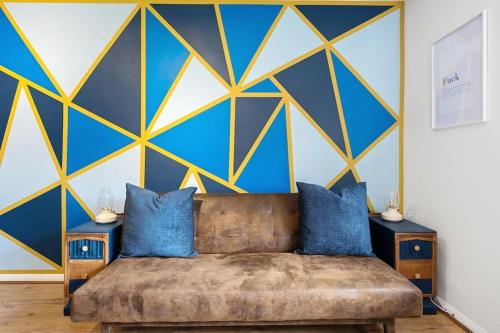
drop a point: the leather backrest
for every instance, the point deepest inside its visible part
(249, 223)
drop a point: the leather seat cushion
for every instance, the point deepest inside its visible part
(246, 287)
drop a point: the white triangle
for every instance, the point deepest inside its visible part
(113, 174)
(380, 169)
(192, 182)
(290, 39)
(26, 166)
(196, 88)
(374, 52)
(314, 159)
(69, 36)
(13, 256)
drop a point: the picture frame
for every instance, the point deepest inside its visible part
(459, 75)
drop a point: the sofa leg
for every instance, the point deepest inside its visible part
(106, 328)
(390, 326)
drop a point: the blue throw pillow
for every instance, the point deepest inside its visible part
(333, 223)
(158, 226)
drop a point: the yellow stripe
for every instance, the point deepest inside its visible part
(169, 93)
(290, 146)
(31, 84)
(103, 53)
(80, 201)
(401, 106)
(63, 223)
(232, 133)
(10, 120)
(257, 142)
(143, 70)
(32, 50)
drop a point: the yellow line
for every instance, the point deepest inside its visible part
(80, 201)
(311, 120)
(366, 23)
(169, 93)
(30, 250)
(65, 140)
(189, 47)
(102, 160)
(189, 115)
(45, 136)
(32, 50)
(185, 179)
(232, 133)
(401, 106)
(365, 84)
(31, 83)
(143, 70)
(224, 45)
(30, 197)
(10, 120)
(104, 121)
(103, 52)
(63, 223)
(257, 142)
(340, 109)
(290, 146)
(262, 45)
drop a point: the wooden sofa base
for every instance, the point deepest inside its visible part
(389, 324)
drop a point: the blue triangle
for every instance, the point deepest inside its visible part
(202, 140)
(37, 224)
(366, 119)
(245, 27)
(90, 140)
(8, 86)
(16, 56)
(263, 86)
(165, 56)
(75, 214)
(267, 171)
(51, 112)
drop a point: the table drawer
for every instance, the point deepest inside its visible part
(423, 284)
(84, 269)
(413, 269)
(83, 249)
(415, 249)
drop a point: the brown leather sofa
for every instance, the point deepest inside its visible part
(246, 274)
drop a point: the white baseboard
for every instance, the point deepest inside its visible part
(463, 319)
(31, 277)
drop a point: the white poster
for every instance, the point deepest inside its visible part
(459, 76)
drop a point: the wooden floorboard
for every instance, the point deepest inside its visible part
(26, 308)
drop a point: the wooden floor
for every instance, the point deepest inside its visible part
(26, 308)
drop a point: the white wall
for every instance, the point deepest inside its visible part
(452, 177)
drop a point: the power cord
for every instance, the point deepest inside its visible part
(440, 307)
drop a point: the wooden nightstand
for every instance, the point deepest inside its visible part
(411, 249)
(89, 248)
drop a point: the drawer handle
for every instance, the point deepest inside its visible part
(84, 275)
(417, 248)
(417, 276)
(85, 248)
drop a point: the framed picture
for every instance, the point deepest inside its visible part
(459, 65)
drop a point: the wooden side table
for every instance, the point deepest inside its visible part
(411, 249)
(89, 248)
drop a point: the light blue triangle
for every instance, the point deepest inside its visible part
(245, 27)
(366, 119)
(202, 140)
(264, 86)
(165, 56)
(90, 140)
(268, 169)
(16, 56)
(75, 214)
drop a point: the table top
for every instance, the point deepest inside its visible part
(95, 228)
(403, 226)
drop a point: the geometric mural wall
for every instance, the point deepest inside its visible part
(225, 97)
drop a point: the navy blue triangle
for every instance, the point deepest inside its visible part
(113, 90)
(197, 24)
(51, 112)
(211, 186)
(162, 174)
(75, 214)
(344, 181)
(252, 114)
(37, 224)
(332, 21)
(310, 84)
(8, 86)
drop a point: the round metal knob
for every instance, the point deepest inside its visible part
(417, 248)
(85, 248)
(417, 276)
